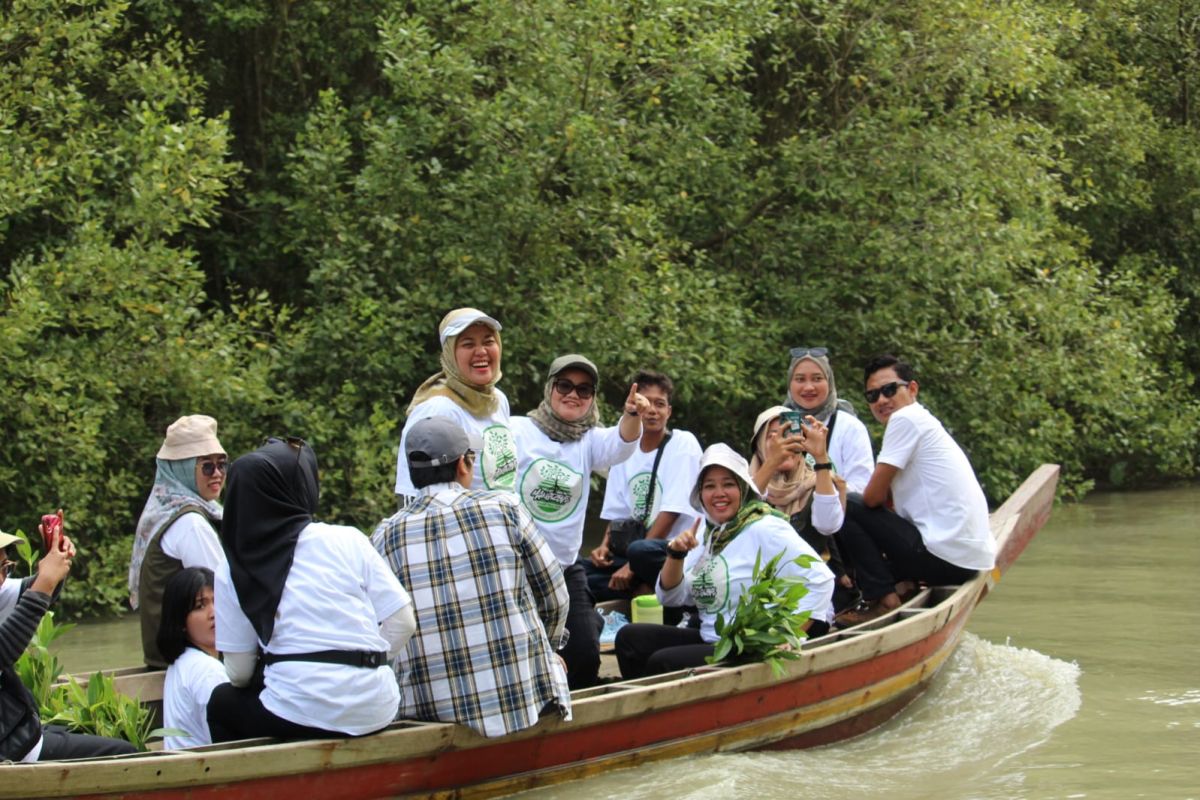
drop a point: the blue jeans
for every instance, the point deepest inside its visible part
(644, 556)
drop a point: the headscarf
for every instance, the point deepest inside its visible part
(824, 411)
(787, 491)
(750, 509)
(479, 401)
(272, 497)
(174, 493)
(554, 426)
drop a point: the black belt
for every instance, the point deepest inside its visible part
(350, 658)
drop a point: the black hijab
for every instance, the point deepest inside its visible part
(271, 498)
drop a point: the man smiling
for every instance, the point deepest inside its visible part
(938, 532)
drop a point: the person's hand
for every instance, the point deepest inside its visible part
(839, 483)
(621, 580)
(845, 581)
(636, 402)
(685, 542)
(783, 449)
(816, 437)
(56, 564)
(601, 557)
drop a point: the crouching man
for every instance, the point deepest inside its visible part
(488, 592)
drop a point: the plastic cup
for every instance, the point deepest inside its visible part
(646, 608)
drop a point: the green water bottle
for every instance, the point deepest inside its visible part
(646, 608)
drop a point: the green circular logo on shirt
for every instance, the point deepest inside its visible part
(639, 489)
(550, 491)
(498, 461)
(710, 584)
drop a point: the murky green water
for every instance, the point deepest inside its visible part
(1080, 679)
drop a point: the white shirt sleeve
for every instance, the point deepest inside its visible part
(900, 439)
(851, 452)
(678, 470)
(606, 448)
(235, 635)
(383, 588)
(398, 629)
(616, 496)
(827, 513)
(193, 541)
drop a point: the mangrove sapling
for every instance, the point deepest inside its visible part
(766, 624)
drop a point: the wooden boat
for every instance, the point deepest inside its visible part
(844, 684)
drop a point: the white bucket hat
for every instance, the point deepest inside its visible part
(460, 319)
(765, 417)
(722, 455)
(191, 437)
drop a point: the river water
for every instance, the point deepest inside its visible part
(1079, 678)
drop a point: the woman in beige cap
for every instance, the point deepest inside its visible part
(465, 390)
(176, 526)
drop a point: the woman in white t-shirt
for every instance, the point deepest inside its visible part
(713, 569)
(812, 391)
(319, 603)
(187, 639)
(176, 527)
(560, 444)
(464, 389)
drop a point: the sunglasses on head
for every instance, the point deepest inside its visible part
(801, 352)
(210, 468)
(887, 390)
(565, 387)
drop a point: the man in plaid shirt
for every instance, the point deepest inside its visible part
(488, 592)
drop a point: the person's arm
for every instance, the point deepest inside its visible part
(240, 667)
(671, 574)
(192, 540)
(600, 555)
(545, 578)
(236, 638)
(662, 525)
(398, 629)
(876, 493)
(828, 505)
(631, 423)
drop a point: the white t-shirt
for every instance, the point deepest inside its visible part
(629, 482)
(850, 451)
(336, 594)
(554, 480)
(714, 584)
(495, 467)
(936, 488)
(192, 540)
(189, 685)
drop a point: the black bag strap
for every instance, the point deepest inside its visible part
(351, 658)
(653, 482)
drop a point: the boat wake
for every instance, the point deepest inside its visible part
(990, 704)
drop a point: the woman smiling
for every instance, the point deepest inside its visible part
(712, 570)
(464, 389)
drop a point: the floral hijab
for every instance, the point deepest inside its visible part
(174, 493)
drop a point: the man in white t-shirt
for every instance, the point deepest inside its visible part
(938, 532)
(611, 573)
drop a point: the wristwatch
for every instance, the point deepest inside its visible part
(826, 465)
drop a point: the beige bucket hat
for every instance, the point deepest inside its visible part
(189, 437)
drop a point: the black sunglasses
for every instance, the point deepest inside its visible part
(209, 468)
(565, 387)
(887, 390)
(801, 352)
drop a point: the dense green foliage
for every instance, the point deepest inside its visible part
(260, 210)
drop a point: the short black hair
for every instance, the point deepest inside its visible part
(179, 597)
(647, 377)
(427, 476)
(904, 370)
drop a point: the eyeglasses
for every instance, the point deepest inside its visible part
(210, 468)
(887, 390)
(565, 387)
(801, 352)
(6, 567)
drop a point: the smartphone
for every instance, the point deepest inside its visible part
(793, 422)
(52, 524)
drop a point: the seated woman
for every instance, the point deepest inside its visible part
(782, 473)
(22, 605)
(316, 599)
(712, 570)
(176, 526)
(465, 390)
(187, 638)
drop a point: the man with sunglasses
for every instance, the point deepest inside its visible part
(937, 530)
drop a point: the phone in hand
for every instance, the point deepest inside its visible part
(793, 422)
(52, 526)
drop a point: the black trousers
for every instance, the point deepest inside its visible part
(235, 713)
(646, 649)
(885, 548)
(645, 558)
(59, 743)
(582, 652)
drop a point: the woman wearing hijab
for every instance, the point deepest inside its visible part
(713, 569)
(176, 527)
(464, 389)
(560, 444)
(812, 391)
(315, 599)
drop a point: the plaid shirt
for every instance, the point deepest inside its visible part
(489, 598)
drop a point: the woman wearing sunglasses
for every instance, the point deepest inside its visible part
(176, 527)
(464, 389)
(560, 444)
(812, 391)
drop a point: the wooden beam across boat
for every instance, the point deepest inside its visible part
(844, 684)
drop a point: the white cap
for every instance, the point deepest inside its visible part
(722, 455)
(460, 319)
